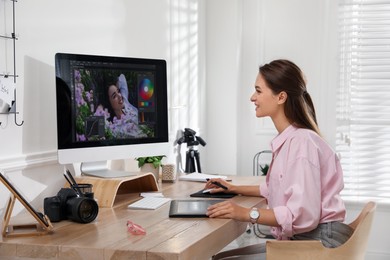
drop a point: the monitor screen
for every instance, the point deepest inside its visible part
(110, 108)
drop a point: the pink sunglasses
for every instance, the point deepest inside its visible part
(135, 229)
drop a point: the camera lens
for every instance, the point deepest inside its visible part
(86, 210)
(82, 209)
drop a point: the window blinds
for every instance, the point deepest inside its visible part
(363, 100)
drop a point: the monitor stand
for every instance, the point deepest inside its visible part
(101, 170)
(112, 187)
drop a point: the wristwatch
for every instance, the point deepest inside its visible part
(254, 215)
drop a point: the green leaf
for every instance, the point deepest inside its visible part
(155, 160)
(264, 169)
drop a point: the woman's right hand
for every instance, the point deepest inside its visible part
(218, 185)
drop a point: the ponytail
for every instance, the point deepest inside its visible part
(284, 75)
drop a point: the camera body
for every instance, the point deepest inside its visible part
(68, 205)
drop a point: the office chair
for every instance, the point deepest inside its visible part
(353, 249)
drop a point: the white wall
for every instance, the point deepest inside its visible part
(222, 62)
(250, 33)
(44, 27)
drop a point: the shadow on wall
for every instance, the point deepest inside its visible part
(46, 180)
(39, 130)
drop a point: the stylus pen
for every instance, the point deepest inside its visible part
(218, 184)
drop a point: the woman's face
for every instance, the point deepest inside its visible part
(265, 101)
(115, 98)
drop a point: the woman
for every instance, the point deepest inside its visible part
(305, 178)
(119, 104)
(122, 116)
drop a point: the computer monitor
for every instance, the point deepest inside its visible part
(110, 108)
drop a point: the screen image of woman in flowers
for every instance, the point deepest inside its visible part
(104, 96)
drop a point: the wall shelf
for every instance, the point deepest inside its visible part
(12, 109)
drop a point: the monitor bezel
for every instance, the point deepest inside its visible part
(72, 152)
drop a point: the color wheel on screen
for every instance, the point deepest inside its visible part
(146, 89)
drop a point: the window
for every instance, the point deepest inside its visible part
(363, 105)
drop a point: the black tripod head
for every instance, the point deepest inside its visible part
(189, 137)
(192, 155)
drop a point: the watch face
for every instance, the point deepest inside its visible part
(254, 214)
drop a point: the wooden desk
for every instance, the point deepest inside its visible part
(107, 237)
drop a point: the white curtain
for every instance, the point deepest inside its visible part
(363, 104)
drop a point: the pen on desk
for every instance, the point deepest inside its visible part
(218, 184)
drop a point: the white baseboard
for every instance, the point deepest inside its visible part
(31, 160)
(377, 256)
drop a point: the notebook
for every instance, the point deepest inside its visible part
(190, 208)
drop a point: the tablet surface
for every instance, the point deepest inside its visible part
(190, 208)
(220, 195)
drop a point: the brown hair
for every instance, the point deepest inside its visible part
(284, 75)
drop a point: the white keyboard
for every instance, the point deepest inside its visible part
(149, 203)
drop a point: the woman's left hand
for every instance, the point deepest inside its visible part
(228, 209)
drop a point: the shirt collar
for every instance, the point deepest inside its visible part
(279, 140)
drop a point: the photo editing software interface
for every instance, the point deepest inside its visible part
(107, 101)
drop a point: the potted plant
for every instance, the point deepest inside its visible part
(264, 169)
(150, 164)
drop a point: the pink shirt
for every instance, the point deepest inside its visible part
(303, 183)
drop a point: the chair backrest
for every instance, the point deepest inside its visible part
(356, 245)
(353, 249)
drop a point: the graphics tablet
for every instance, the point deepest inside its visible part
(190, 208)
(218, 195)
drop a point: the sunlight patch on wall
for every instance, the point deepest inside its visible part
(184, 62)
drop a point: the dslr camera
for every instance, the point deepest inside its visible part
(69, 205)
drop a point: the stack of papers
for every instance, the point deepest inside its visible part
(201, 177)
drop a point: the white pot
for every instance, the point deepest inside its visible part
(148, 167)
